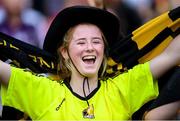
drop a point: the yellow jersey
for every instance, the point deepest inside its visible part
(114, 99)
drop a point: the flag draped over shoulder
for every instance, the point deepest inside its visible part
(140, 46)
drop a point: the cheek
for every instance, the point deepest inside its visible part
(75, 51)
(100, 50)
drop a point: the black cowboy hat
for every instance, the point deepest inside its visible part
(106, 21)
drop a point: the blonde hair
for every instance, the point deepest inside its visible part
(64, 66)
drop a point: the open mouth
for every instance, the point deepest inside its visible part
(90, 59)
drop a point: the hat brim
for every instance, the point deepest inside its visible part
(106, 21)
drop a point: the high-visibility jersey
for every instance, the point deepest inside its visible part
(114, 99)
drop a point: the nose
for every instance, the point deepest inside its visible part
(90, 47)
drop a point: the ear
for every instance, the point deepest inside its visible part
(63, 52)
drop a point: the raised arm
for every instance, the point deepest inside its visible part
(5, 72)
(166, 60)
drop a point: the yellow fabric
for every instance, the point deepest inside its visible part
(43, 99)
(145, 34)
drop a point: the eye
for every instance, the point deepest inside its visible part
(81, 42)
(97, 41)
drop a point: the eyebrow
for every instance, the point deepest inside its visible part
(83, 38)
(98, 38)
(80, 39)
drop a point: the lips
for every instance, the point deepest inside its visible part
(89, 59)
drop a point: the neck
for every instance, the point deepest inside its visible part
(76, 83)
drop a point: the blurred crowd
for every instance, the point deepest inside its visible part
(28, 20)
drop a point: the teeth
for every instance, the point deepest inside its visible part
(89, 57)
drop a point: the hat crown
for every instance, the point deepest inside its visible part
(71, 16)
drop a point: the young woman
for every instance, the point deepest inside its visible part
(81, 36)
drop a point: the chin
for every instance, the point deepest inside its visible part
(90, 74)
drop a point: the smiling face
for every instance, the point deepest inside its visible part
(86, 50)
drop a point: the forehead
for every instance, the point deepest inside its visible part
(86, 28)
(83, 30)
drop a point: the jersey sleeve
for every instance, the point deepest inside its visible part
(29, 93)
(137, 86)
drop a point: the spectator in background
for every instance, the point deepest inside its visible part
(97, 3)
(69, 3)
(37, 19)
(143, 8)
(14, 23)
(1, 12)
(51, 7)
(129, 17)
(174, 3)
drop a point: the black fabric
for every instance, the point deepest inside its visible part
(26, 56)
(155, 41)
(130, 19)
(175, 13)
(10, 113)
(124, 51)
